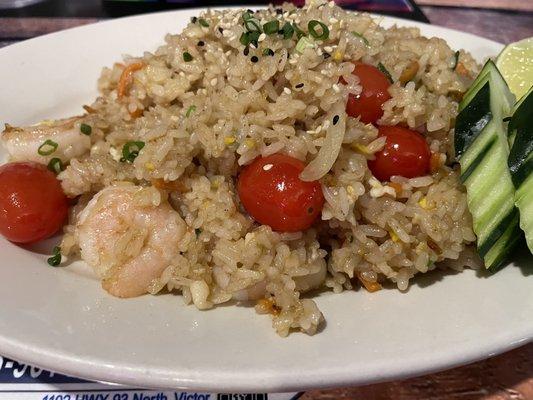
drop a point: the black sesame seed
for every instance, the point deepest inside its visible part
(220, 29)
(300, 85)
(254, 59)
(194, 19)
(326, 56)
(335, 119)
(200, 43)
(246, 51)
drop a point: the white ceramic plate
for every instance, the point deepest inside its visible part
(60, 318)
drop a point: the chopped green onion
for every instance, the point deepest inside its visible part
(382, 68)
(131, 150)
(455, 60)
(268, 52)
(323, 34)
(190, 110)
(187, 56)
(55, 165)
(47, 148)
(271, 27)
(203, 22)
(303, 44)
(364, 39)
(250, 37)
(299, 32)
(86, 129)
(244, 39)
(252, 25)
(287, 30)
(247, 15)
(55, 260)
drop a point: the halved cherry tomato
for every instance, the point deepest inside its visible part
(368, 104)
(273, 194)
(406, 153)
(32, 204)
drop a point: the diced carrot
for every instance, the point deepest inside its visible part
(397, 187)
(171, 186)
(268, 306)
(461, 69)
(369, 285)
(137, 113)
(434, 162)
(126, 78)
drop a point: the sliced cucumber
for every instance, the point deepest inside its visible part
(521, 162)
(482, 149)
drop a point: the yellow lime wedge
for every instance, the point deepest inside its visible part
(515, 63)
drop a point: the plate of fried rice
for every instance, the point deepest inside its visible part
(246, 200)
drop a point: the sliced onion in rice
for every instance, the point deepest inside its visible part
(328, 153)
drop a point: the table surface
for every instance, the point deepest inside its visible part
(505, 377)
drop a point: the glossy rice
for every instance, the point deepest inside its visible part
(204, 119)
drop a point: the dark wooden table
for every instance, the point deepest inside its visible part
(505, 377)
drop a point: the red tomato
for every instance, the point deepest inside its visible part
(406, 153)
(374, 94)
(273, 194)
(32, 204)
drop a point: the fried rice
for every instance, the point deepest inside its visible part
(203, 119)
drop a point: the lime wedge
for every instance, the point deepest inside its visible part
(515, 63)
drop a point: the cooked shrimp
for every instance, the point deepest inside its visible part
(23, 143)
(129, 235)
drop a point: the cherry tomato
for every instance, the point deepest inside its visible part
(406, 153)
(273, 194)
(32, 204)
(368, 104)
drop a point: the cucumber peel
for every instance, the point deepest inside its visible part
(521, 162)
(482, 149)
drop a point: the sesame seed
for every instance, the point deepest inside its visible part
(267, 167)
(329, 49)
(214, 81)
(200, 43)
(335, 119)
(287, 90)
(300, 85)
(246, 51)
(262, 37)
(254, 59)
